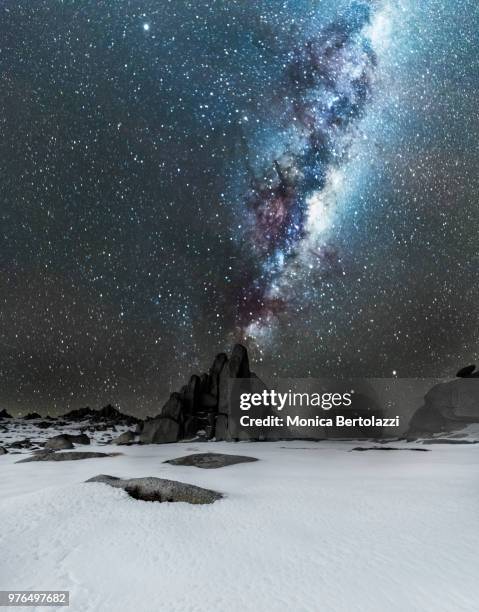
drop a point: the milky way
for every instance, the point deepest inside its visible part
(176, 176)
(327, 85)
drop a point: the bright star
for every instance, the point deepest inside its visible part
(146, 27)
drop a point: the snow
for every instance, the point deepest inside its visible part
(310, 527)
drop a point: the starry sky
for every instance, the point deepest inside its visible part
(299, 175)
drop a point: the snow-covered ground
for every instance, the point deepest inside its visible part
(310, 527)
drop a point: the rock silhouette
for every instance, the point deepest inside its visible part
(202, 407)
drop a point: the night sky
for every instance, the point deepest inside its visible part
(175, 176)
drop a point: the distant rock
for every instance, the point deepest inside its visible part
(3, 451)
(25, 443)
(4, 414)
(447, 407)
(160, 490)
(210, 461)
(32, 415)
(109, 415)
(45, 424)
(80, 438)
(449, 441)
(49, 456)
(125, 438)
(387, 448)
(466, 371)
(59, 442)
(79, 414)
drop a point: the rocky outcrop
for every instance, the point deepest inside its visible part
(448, 406)
(32, 415)
(202, 407)
(108, 415)
(4, 414)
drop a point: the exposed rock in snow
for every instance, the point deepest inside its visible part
(59, 442)
(125, 438)
(211, 460)
(49, 456)
(160, 489)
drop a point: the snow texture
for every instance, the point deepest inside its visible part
(309, 527)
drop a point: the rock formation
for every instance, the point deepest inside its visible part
(203, 406)
(448, 406)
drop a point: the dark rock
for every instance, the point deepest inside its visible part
(32, 415)
(191, 400)
(388, 448)
(210, 460)
(449, 441)
(107, 413)
(81, 438)
(238, 364)
(161, 430)
(221, 428)
(219, 363)
(173, 407)
(125, 438)
(80, 414)
(4, 414)
(26, 443)
(49, 456)
(160, 489)
(208, 401)
(466, 371)
(59, 442)
(447, 407)
(44, 424)
(3, 451)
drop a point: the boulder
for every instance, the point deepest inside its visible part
(59, 442)
(50, 456)
(3, 451)
(32, 415)
(44, 424)
(447, 407)
(160, 490)
(466, 371)
(125, 438)
(26, 443)
(161, 430)
(210, 461)
(81, 438)
(4, 414)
